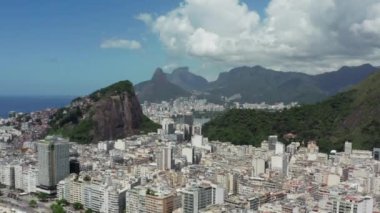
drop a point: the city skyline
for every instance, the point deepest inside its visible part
(190, 106)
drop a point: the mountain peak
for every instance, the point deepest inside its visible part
(360, 67)
(189, 81)
(159, 88)
(159, 75)
(180, 70)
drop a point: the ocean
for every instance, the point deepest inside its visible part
(31, 103)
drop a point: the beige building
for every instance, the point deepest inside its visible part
(160, 204)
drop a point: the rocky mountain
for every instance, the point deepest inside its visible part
(182, 77)
(159, 88)
(342, 79)
(257, 84)
(110, 113)
(351, 115)
(253, 84)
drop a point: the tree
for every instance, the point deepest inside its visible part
(87, 178)
(43, 197)
(56, 208)
(88, 211)
(77, 206)
(63, 202)
(33, 203)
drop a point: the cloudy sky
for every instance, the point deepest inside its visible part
(72, 47)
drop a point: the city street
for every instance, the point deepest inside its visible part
(22, 202)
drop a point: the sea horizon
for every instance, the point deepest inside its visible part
(31, 103)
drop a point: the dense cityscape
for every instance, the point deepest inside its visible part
(190, 106)
(176, 169)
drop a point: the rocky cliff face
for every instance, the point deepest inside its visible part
(110, 113)
(116, 117)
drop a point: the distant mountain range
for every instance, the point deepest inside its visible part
(348, 116)
(183, 78)
(253, 84)
(159, 88)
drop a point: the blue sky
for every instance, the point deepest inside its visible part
(53, 47)
(71, 47)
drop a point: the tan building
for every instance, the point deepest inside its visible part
(144, 199)
(160, 204)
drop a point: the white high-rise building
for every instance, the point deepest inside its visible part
(189, 154)
(99, 196)
(195, 198)
(217, 194)
(168, 126)
(197, 129)
(232, 183)
(353, 204)
(30, 179)
(272, 140)
(258, 166)
(197, 141)
(165, 158)
(26, 178)
(347, 148)
(279, 163)
(9, 175)
(279, 148)
(93, 196)
(53, 163)
(18, 177)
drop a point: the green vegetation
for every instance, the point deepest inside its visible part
(150, 192)
(77, 99)
(78, 206)
(114, 89)
(351, 116)
(64, 119)
(148, 125)
(43, 197)
(80, 133)
(87, 178)
(33, 203)
(62, 202)
(57, 208)
(88, 211)
(66, 116)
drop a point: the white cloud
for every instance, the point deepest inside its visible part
(304, 35)
(169, 67)
(121, 44)
(145, 17)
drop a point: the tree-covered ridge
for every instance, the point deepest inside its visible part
(114, 89)
(109, 113)
(351, 115)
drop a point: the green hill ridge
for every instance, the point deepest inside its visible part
(349, 116)
(109, 113)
